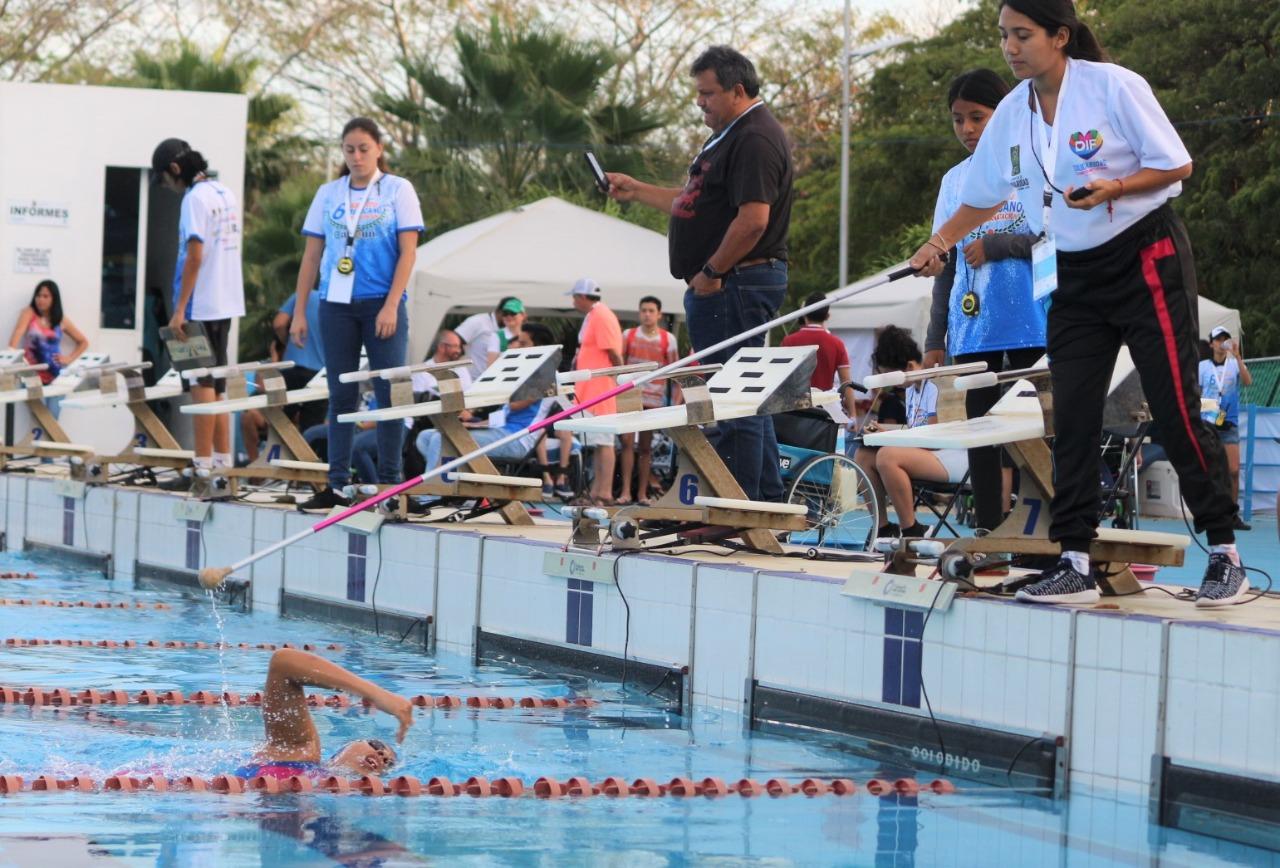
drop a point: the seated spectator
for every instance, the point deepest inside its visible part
(832, 369)
(891, 469)
(648, 342)
(486, 334)
(253, 423)
(561, 442)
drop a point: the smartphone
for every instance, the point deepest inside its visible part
(1080, 193)
(594, 165)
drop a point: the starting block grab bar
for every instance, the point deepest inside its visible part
(900, 378)
(17, 370)
(565, 378)
(228, 371)
(116, 367)
(988, 379)
(402, 371)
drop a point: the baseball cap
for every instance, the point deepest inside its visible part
(1219, 332)
(165, 153)
(512, 305)
(585, 286)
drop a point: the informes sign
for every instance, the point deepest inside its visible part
(36, 212)
(32, 260)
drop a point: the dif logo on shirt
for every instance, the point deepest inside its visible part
(1085, 145)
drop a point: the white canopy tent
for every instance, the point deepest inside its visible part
(536, 252)
(905, 303)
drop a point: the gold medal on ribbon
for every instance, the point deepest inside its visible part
(969, 303)
(346, 265)
(1222, 418)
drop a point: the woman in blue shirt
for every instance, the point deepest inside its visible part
(983, 309)
(362, 236)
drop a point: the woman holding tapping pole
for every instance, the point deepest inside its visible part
(983, 308)
(1095, 161)
(362, 237)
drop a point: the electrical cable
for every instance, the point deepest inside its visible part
(377, 577)
(924, 626)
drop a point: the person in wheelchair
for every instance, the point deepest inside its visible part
(893, 469)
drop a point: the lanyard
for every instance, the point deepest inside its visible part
(1049, 143)
(1220, 375)
(352, 215)
(718, 137)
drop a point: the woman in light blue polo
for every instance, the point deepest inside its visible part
(362, 236)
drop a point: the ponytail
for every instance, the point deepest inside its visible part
(1053, 15)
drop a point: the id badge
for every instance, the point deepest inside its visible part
(1044, 268)
(340, 286)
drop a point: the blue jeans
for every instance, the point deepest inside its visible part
(364, 450)
(346, 328)
(429, 444)
(751, 297)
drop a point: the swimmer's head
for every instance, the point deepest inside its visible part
(369, 756)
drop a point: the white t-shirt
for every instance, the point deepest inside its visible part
(210, 214)
(390, 208)
(922, 403)
(480, 331)
(426, 383)
(1108, 125)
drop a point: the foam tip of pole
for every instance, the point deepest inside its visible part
(212, 577)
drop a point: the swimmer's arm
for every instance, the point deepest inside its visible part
(292, 670)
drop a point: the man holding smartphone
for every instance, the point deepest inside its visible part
(727, 238)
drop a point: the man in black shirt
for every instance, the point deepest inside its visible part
(727, 238)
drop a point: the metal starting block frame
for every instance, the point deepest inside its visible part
(287, 455)
(1021, 421)
(754, 382)
(527, 373)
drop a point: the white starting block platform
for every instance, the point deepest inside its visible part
(754, 382)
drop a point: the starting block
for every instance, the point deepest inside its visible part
(20, 385)
(287, 455)
(517, 375)
(1020, 422)
(152, 445)
(754, 382)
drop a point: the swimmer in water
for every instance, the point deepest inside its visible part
(293, 745)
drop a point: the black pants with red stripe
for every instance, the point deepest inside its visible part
(1140, 289)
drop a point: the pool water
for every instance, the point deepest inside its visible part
(628, 735)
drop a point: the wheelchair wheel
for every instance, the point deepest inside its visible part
(839, 502)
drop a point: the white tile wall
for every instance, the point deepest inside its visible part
(125, 540)
(457, 577)
(1224, 698)
(228, 534)
(15, 512)
(1116, 693)
(44, 514)
(267, 574)
(408, 565)
(162, 538)
(722, 636)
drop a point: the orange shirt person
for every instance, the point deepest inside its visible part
(599, 346)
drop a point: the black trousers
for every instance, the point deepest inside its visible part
(985, 462)
(1139, 288)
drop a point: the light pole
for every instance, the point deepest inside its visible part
(848, 55)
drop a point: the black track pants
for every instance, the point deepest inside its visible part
(1139, 288)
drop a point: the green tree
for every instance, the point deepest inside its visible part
(273, 148)
(514, 107)
(1216, 70)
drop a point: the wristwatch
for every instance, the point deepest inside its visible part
(712, 273)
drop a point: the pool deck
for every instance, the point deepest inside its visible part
(1121, 697)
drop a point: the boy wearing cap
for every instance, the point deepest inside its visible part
(1221, 377)
(487, 335)
(599, 346)
(208, 284)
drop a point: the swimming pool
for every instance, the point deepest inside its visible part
(629, 735)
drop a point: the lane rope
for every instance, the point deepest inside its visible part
(64, 697)
(476, 787)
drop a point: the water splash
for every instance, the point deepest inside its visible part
(228, 727)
